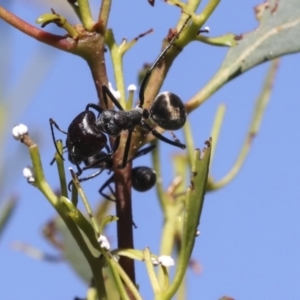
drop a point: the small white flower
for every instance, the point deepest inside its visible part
(206, 29)
(131, 88)
(166, 261)
(19, 131)
(28, 174)
(104, 243)
(155, 262)
(116, 93)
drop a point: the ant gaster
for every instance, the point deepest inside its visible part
(86, 138)
(143, 178)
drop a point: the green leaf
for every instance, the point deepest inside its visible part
(72, 252)
(195, 200)
(60, 21)
(193, 209)
(276, 35)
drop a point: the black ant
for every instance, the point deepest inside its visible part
(143, 178)
(84, 139)
(86, 133)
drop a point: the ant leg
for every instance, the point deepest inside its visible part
(105, 157)
(91, 176)
(174, 137)
(95, 107)
(106, 92)
(53, 123)
(79, 170)
(97, 162)
(85, 178)
(115, 146)
(161, 55)
(53, 159)
(161, 137)
(126, 150)
(107, 184)
(144, 151)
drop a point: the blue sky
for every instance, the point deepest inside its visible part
(249, 242)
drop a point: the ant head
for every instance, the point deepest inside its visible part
(74, 158)
(84, 139)
(143, 178)
(168, 111)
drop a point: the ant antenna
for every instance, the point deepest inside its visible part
(161, 55)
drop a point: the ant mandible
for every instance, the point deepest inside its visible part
(86, 133)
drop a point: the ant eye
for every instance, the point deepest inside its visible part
(143, 178)
(168, 111)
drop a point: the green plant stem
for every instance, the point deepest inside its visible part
(104, 13)
(86, 204)
(117, 61)
(167, 238)
(43, 186)
(150, 269)
(218, 121)
(186, 8)
(159, 185)
(85, 14)
(193, 4)
(261, 104)
(227, 40)
(207, 11)
(60, 21)
(74, 196)
(173, 212)
(81, 222)
(189, 142)
(193, 209)
(61, 170)
(131, 288)
(75, 8)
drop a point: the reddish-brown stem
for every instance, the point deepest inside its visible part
(56, 41)
(90, 47)
(124, 213)
(124, 208)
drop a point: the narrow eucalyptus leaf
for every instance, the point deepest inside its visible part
(279, 25)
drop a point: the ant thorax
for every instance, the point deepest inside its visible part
(114, 122)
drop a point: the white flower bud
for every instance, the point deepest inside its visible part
(206, 29)
(131, 88)
(28, 174)
(104, 243)
(155, 262)
(19, 131)
(166, 261)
